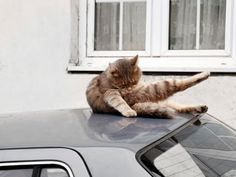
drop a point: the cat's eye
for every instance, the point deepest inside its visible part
(135, 69)
(134, 82)
(115, 74)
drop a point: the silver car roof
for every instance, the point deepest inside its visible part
(82, 128)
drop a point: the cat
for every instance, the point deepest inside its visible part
(119, 90)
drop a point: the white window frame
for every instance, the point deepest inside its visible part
(160, 57)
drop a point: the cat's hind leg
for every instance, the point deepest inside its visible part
(183, 84)
(195, 109)
(150, 109)
(163, 89)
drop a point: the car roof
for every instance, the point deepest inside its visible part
(82, 128)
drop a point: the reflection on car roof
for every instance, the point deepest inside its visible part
(82, 128)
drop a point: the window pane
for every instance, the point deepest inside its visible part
(212, 32)
(197, 24)
(182, 24)
(53, 172)
(106, 26)
(176, 162)
(204, 150)
(134, 25)
(16, 173)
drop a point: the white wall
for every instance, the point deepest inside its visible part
(34, 52)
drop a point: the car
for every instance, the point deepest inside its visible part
(80, 143)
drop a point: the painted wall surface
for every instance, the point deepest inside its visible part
(34, 53)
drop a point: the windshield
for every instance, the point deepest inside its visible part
(205, 150)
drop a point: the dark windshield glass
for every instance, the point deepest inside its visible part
(206, 150)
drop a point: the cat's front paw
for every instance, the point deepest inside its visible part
(129, 113)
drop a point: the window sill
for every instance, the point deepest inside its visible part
(164, 64)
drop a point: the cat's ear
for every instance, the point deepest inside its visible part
(112, 69)
(134, 61)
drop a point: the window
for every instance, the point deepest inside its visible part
(118, 28)
(33, 171)
(198, 25)
(174, 35)
(53, 172)
(14, 172)
(203, 150)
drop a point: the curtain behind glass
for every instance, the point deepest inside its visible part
(183, 15)
(134, 25)
(183, 24)
(107, 26)
(212, 32)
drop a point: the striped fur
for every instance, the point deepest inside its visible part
(118, 90)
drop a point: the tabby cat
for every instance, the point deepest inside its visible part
(119, 90)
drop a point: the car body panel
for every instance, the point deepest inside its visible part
(106, 144)
(82, 128)
(115, 162)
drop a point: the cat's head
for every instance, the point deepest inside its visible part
(124, 73)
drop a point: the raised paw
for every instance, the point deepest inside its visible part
(201, 77)
(129, 113)
(204, 75)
